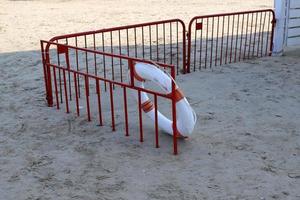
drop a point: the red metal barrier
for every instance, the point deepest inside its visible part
(230, 37)
(77, 64)
(60, 69)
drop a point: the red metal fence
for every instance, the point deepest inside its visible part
(231, 37)
(64, 80)
(79, 68)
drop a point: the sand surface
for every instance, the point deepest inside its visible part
(246, 144)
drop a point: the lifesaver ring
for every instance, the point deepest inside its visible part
(186, 117)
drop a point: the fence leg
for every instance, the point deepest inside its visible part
(49, 84)
(44, 70)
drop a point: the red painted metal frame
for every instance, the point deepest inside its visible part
(49, 78)
(67, 72)
(234, 32)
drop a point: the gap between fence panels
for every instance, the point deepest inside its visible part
(91, 73)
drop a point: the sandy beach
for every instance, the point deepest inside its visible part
(246, 144)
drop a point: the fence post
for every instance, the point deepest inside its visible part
(44, 69)
(48, 79)
(279, 32)
(174, 117)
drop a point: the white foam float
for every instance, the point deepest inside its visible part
(186, 117)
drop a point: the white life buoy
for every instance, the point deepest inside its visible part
(186, 117)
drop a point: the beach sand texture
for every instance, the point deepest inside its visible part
(246, 144)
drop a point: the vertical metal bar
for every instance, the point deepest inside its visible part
(49, 85)
(77, 66)
(177, 48)
(185, 64)
(171, 40)
(221, 56)
(143, 42)
(125, 111)
(174, 117)
(112, 59)
(69, 74)
(86, 56)
(164, 33)
(104, 67)
(135, 45)
(87, 94)
(59, 76)
(98, 88)
(66, 91)
(207, 22)
(241, 39)
(156, 122)
(231, 39)
(76, 94)
(95, 60)
(245, 47)
(212, 41)
(216, 56)
(157, 43)
(250, 36)
(195, 46)
(228, 26)
(140, 116)
(150, 45)
(55, 87)
(47, 74)
(112, 107)
(187, 35)
(44, 68)
(237, 37)
(127, 39)
(120, 52)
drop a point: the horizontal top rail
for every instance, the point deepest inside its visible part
(117, 28)
(233, 13)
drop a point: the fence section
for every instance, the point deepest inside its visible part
(161, 41)
(231, 37)
(71, 84)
